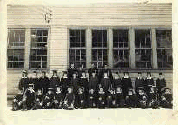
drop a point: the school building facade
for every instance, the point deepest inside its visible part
(127, 37)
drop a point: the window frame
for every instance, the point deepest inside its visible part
(16, 47)
(77, 48)
(39, 48)
(161, 48)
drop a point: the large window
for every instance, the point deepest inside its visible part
(143, 49)
(99, 48)
(38, 51)
(15, 49)
(164, 48)
(121, 48)
(77, 51)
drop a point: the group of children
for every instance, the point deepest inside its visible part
(99, 90)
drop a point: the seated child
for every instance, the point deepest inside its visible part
(110, 98)
(58, 98)
(29, 98)
(39, 99)
(131, 99)
(17, 103)
(48, 99)
(166, 98)
(80, 98)
(152, 98)
(101, 98)
(69, 99)
(119, 97)
(92, 99)
(142, 98)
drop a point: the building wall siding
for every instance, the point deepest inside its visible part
(99, 15)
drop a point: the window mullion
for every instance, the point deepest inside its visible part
(27, 48)
(154, 46)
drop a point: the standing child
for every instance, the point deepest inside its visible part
(65, 81)
(75, 82)
(54, 80)
(84, 82)
(101, 98)
(149, 82)
(106, 82)
(117, 81)
(139, 82)
(24, 81)
(160, 83)
(126, 80)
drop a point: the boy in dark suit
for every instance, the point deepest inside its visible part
(17, 102)
(29, 98)
(131, 99)
(160, 83)
(106, 83)
(101, 98)
(49, 99)
(24, 81)
(142, 98)
(139, 82)
(39, 99)
(166, 98)
(92, 103)
(54, 80)
(58, 98)
(126, 80)
(80, 98)
(120, 100)
(44, 82)
(69, 99)
(65, 82)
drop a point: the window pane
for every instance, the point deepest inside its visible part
(164, 49)
(78, 57)
(39, 38)
(142, 39)
(99, 57)
(121, 58)
(16, 37)
(165, 58)
(99, 38)
(120, 38)
(77, 38)
(143, 58)
(15, 58)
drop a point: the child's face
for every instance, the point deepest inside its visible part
(31, 88)
(80, 90)
(140, 92)
(83, 74)
(39, 91)
(167, 91)
(44, 74)
(119, 90)
(65, 75)
(101, 89)
(72, 65)
(130, 92)
(105, 75)
(69, 90)
(49, 92)
(58, 89)
(139, 75)
(74, 75)
(148, 75)
(91, 91)
(93, 74)
(152, 90)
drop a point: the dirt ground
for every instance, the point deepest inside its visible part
(90, 116)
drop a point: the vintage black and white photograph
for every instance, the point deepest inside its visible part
(89, 57)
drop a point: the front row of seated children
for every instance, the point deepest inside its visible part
(114, 98)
